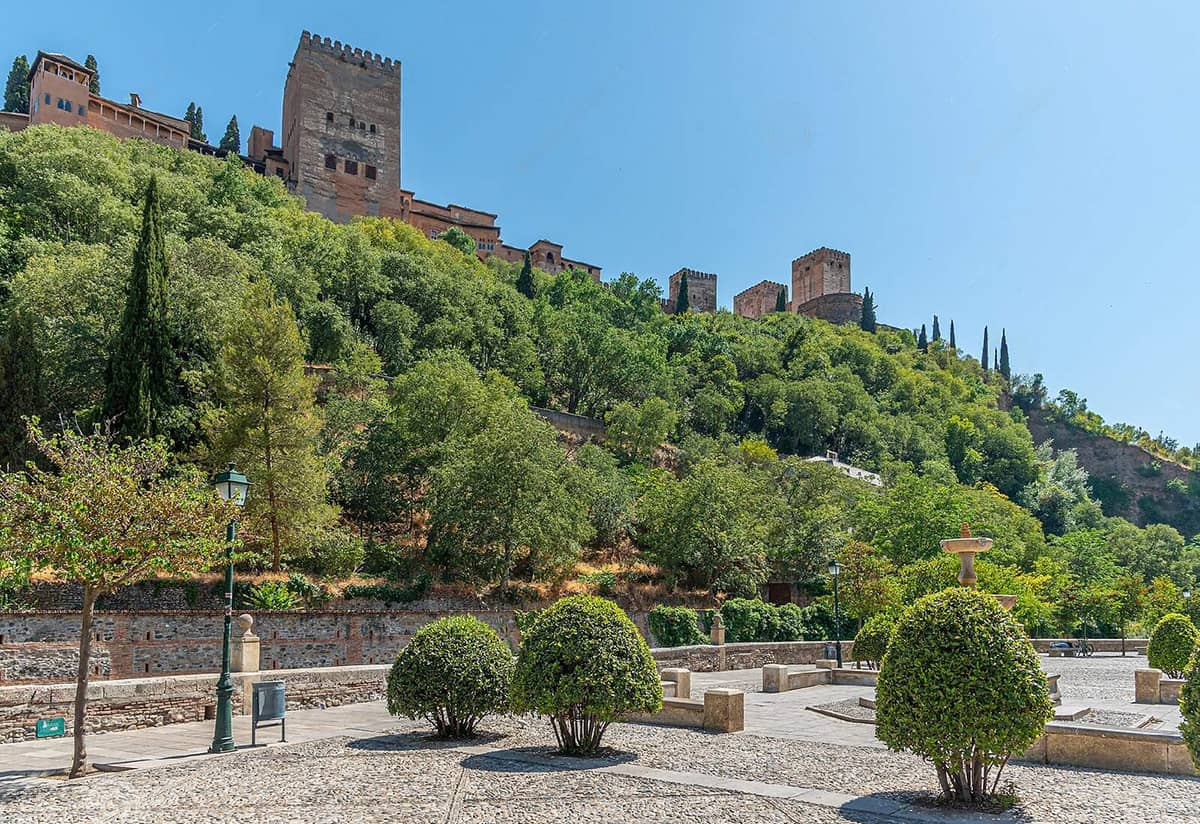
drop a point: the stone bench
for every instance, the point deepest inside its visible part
(676, 682)
(1059, 652)
(1150, 687)
(779, 678)
(721, 710)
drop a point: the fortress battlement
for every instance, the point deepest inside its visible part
(348, 53)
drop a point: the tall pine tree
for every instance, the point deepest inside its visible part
(781, 300)
(1004, 365)
(268, 425)
(922, 341)
(984, 360)
(232, 141)
(16, 90)
(90, 65)
(138, 379)
(867, 321)
(681, 299)
(525, 279)
(937, 330)
(953, 345)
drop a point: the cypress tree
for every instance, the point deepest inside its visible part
(16, 90)
(922, 341)
(952, 344)
(867, 322)
(22, 388)
(525, 279)
(232, 141)
(90, 65)
(195, 117)
(137, 379)
(937, 330)
(984, 361)
(1004, 366)
(681, 299)
(781, 300)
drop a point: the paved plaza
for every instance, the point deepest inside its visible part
(355, 763)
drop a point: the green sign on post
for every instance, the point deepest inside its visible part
(51, 727)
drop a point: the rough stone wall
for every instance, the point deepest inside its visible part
(759, 299)
(836, 308)
(822, 271)
(343, 103)
(705, 657)
(702, 290)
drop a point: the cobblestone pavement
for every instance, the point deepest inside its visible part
(509, 775)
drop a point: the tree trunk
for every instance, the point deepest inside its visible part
(1122, 640)
(79, 759)
(272, 511)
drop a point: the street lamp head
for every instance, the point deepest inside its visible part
(834, 568)
(1187, 593)
(232, 485)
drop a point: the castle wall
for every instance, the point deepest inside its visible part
(838, 308)
(759, 299)
(702, 290)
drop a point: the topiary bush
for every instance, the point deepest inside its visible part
(961, 685)
(454, 672)
(872, 640)
(675, 626)
(749, 619)
(1172, 643)
(584, 664)
(791, 624)
(1189, 707)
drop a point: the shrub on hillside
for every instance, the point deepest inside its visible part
(791, 624)
(335, 554)
(453, 673)
(675, 626)
(872, 640)
(1189, 707)
(271, 596)
(961, 685)
(1172, 643)
(749, 619)
(584, 664)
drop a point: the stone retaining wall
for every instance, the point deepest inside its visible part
(707, 658)
(133, 703)
(1149, 751)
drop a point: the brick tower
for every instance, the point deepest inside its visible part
(341, 129)
(702, 290)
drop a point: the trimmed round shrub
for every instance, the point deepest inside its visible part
(791, 624)
(675, 626)
(1189, 707)
(872, 640)
(1172, 643)
(961, 685)
(584, 664)
(454, 672)
(749, 619)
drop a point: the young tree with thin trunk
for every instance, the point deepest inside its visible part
(268, 425)
(16, 90)
(139, 377)
(102, 516)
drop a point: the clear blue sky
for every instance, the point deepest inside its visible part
(1030, 166)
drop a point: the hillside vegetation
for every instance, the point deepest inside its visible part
(421, 460)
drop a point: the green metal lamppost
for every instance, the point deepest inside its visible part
(232, 486)
(834, 570)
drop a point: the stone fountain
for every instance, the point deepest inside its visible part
(966, 547)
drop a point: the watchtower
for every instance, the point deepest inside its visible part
(822, 271)
(702, 290)
(341, 129)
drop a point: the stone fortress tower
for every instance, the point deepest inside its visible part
(760, 299)
(702, 291)
(821, 287)
(341, 130)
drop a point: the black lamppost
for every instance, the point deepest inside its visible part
(232, 486)
(834, 570)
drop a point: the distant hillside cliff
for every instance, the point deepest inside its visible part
(1127, 479)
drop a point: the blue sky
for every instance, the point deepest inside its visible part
(1028, 166)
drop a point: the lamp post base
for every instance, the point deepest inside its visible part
(223, 734)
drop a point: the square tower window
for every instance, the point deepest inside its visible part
(330, 161)
(370, 172)
(351, 167)
(328, 117)
(352, 123)
(372, 128)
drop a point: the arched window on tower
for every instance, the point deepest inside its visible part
(549, 257)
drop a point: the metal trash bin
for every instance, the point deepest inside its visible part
(268, 709)
(830, 652)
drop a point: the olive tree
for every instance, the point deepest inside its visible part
(961, 685)
(103, 515)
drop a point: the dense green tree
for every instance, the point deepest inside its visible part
(1004, 366)
(269, 426)
(195, 118)
(138, 380)
(781, 300)
(459, 239)
(16, 88)
(634, 432)
(231, 141)
(984, 357)
(937, 330)
(682, 306)
(94, 82)
(525, 279)
(867, 320)
(22, 387)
